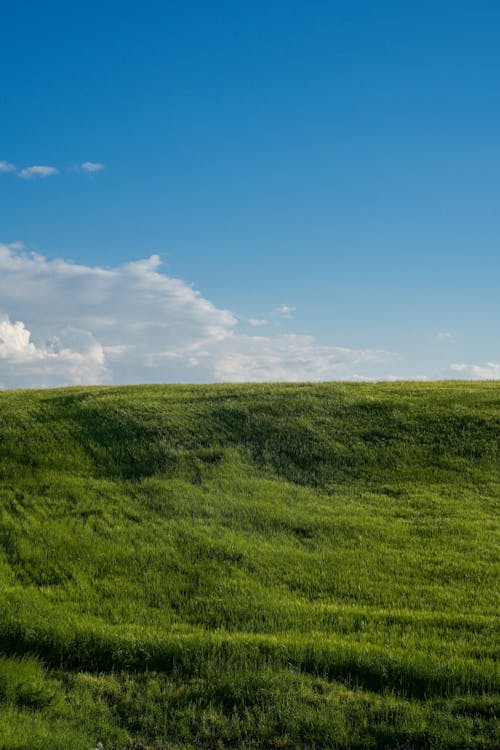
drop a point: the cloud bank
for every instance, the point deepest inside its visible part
(64, 323)
(488, 371)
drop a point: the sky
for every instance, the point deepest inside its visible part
(241, 191)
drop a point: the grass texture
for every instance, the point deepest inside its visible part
(266, 567)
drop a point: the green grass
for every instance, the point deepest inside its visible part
(257, 566)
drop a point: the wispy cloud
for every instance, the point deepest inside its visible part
(64, 323)
(487, 371)
(256, 322)
(43, 170)
(285, 311)
(37, 170)
(6, 166)
(292, 357)
(444, 336)
(91, 166)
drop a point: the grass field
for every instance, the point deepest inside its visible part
(258, 566)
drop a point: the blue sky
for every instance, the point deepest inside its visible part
(330, 168)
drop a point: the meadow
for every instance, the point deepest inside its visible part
(266, 567)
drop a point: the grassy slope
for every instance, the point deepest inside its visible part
(293, 566)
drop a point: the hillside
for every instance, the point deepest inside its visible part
(257, 566)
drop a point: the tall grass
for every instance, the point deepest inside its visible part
(294, 566)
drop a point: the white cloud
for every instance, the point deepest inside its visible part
(285, 311)
(5, 166)
(400, 378)
(67, 323)
(91, 166)
(488, 371)
(80, 359)
(15, 341)
(256, 322)
(290, 357)
(37, 171)
(444, 336)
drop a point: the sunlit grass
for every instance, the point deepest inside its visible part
(308, 566)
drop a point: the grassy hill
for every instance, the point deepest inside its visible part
(258, 566)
